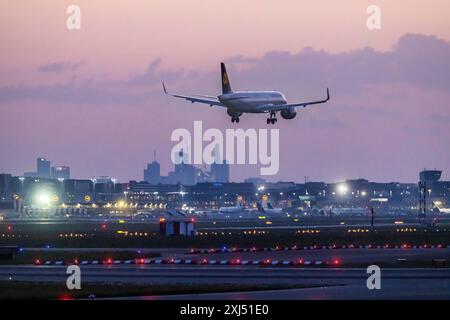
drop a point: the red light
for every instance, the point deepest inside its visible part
(300, 261)
(75, 261)
(64, 298)
(9, 228)
(104, 226)
(142, 261)
(37, 261)
(336, 261)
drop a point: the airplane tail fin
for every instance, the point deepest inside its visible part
(226, 87)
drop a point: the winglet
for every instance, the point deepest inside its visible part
(328, 94)
(164, 88)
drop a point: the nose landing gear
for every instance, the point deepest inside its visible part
(272, 118)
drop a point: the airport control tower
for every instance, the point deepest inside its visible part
(430, 176)
(428, 179)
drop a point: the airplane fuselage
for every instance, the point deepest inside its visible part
(249, 101)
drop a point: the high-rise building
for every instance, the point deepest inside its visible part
(220, 169)
(220, 172)
(153, 173)
(60, 172)
(184, 172)
(5, 188)
(43, 167)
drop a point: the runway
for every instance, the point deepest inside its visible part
(430, 290)
(213, 274)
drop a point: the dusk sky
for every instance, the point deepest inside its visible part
(92, 98)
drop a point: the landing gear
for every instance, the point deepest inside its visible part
(235, 119)
(272, 118)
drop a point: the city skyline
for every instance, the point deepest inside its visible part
(67, 174)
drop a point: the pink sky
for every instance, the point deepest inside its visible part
(118, 37)
(114, 115)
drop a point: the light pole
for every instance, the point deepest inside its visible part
(21, 188)
(94, 181)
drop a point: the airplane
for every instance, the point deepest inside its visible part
(239, 102)
(267, 208)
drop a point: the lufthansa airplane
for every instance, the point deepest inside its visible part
(239, 102)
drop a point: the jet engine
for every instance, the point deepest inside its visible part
(288, 113)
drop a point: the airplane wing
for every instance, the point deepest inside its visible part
(279, 107)
(211, 100)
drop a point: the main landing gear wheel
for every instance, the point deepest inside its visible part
(235, 119)
(272, 118)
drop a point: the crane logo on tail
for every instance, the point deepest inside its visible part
(225, 78)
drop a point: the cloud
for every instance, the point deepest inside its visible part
(416, 60)
(59, 67)
(153, 75)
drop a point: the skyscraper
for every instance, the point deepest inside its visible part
(220, 172)
(43, 167)
(220, 169)
(153, 173)
(61, 172)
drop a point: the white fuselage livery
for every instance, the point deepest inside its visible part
(251, 101)
(238, 103)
